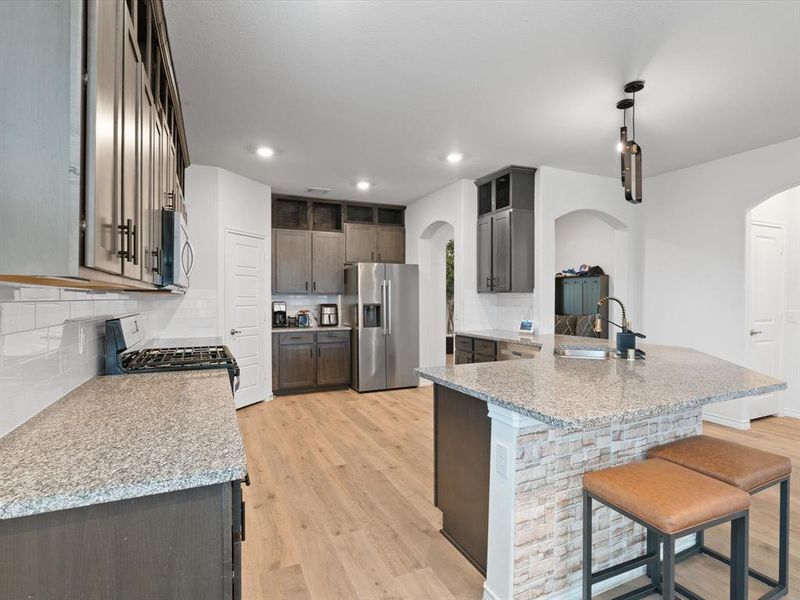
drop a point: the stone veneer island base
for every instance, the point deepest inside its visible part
(513, 439)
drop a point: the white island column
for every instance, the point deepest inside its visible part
(534, 542)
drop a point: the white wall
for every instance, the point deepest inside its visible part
(582, 238)
(219, 200)
(560, 193)
(694, 232)
(433, 292)
(784, 210)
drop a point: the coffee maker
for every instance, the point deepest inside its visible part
(279, 314)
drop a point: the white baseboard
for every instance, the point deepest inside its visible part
(727, 421)
(791, 412)
(575, 592)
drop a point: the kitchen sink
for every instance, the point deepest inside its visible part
(587, 353)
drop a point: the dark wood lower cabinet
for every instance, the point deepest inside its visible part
(333, 364)
(307, 361)
(183, 545)
(297, 366)
(462, 450)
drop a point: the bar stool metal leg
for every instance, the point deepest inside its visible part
(668, 569)
(783, 560)
(587, 546)
(654, 568)
(739, 558)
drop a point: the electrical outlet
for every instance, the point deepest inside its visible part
(501, 460)
(793, 316)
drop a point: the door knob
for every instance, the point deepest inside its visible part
(755, 331)
(235, 331)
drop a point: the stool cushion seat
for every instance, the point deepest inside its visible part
(664, 495)
(737, 465)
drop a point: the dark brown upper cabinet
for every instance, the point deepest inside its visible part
(84, 180)
(505, 231)
(307, 262)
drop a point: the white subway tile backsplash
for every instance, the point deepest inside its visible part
(17, 316)
(51, 339)
(51, 313)
(81, 309)
(32, 292)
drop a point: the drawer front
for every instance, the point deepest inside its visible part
(485, 347)
(482, 358)
(464, 343)
(297, 338)
(324, 337)
(463, 358)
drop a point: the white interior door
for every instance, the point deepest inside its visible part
(245, 313)
(765, 308)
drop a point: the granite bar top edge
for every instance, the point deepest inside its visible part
(312, 328)
(623, 416)
(85, 498)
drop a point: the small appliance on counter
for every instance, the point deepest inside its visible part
(279, 314)
(304, 318)
(125, 333)
(328, 315)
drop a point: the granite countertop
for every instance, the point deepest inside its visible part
(312, 328)
(120, 437)
(576, 393)
(501, 335)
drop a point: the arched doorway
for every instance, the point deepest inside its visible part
(433, 301)
(772, 299)
(595, 238)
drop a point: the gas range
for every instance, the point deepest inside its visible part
(125, 333)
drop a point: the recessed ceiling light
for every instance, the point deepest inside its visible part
(265, 152)
(363, 185)
(454, 157)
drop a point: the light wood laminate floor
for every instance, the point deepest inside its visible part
(341, 502)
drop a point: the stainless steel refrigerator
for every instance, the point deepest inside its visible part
(381, 305)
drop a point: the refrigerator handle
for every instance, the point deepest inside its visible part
(384, 307)
(389, 307)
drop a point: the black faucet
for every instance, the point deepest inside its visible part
(626, 339)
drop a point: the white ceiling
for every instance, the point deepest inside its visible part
(384, 90)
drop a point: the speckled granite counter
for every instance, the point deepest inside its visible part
(575, 393)
(123, 437)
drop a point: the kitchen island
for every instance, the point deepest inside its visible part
(127, 487)
(513, 439)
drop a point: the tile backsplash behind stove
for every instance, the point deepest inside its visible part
(51, 339)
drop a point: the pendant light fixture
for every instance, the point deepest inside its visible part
(630, 151)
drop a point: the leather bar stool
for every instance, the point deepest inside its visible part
(670, 501)
(748, 469)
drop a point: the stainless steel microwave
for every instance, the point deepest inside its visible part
(178, 259)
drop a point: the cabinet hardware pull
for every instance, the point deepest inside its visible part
(157, 260)
(134, 255)
(314, 286)
(244, 521)
(372, 255)
(306, 286)
(311, 352)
